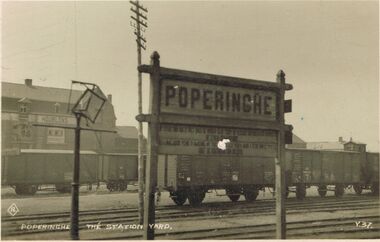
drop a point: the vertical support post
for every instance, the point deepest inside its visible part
(74, 225)
(280, 163)
(141, 167)
(151, 166)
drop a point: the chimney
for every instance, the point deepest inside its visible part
(109, 97)
(340, 139)
(28, 82)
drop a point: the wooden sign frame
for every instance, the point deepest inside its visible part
(156, 117)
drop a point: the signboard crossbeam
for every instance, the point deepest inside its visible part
(190, 76)
(198, 120)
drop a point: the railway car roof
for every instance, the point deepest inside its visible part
(317, 150)
(121, 154)
(46, 151)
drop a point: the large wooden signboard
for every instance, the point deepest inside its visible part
(191, 113)
(200, 140)
(218, 101)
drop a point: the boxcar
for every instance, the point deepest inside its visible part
(190, 177)
(339, 169)
(29, 168)
(118, 170)
(371, 173)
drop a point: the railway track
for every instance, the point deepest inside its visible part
(172, 214)
(225, 206)
(312, 229)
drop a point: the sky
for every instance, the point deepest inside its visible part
(328, 49)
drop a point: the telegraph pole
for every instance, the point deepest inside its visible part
(74, 223)
(280, 163)
(139, 21)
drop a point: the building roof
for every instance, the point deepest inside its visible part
(325, 145)
(32, 92)
(129, 132)
(356, 143)
(297, 140)
(328, 145)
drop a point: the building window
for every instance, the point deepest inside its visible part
(25, 131)
(24, 105)
(55, 136)
(55, 132)
(56, 107)
(23, 108)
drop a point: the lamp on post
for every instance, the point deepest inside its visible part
(89, 106)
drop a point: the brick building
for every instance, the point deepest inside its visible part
(26, 104)
(126, 140)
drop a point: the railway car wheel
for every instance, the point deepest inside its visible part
(322, 190)
(339, 190)
(111, 186)
(287, 192)
(375, 188)
(233, 197)
(122, 186)
(251, 194)
(233, 194)
(196, 197)
(33, 189)
(301, 191)
(358, 189)
(178, 197)
(19, 189)
(26, 189)
(63, 188)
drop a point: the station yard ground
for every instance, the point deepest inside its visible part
(52, 202)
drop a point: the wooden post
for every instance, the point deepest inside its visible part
(151, 166)
(74, 224)
(280, 164)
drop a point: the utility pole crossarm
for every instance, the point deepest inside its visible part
(138, 6)
(140, 22)
(139, 14)
(140, 37)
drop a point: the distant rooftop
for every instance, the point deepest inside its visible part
(355, 142)
(129, 132)
(297, 140)
(330, 145)
(325, 145)
(32, 92)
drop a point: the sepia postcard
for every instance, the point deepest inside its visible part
(190, 120)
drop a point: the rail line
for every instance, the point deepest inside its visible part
(11, 225)
(267, 231)
(180, 209)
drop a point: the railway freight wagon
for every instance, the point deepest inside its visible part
(328, 170)
(190, 177)
(370, 174)
(30, 168)
(118, 170)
